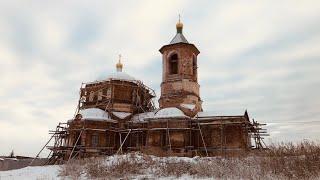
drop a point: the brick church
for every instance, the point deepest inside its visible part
(117, 115)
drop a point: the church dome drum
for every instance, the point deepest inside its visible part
(118, 92)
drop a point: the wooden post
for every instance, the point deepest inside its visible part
(221, 134)
(42, 149)
(168, 134)
(123, 142)
(204, 144)
(75, 144)
(120, 148)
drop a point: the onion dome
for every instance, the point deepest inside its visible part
(179, 26)
(119, 74)
(179, 38)
(119, 65)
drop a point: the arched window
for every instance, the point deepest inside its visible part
(91, 96)
(173, 64)
(194, 65)
(95, 140)
(109, 92)
(100, 95)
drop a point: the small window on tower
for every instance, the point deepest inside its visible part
(194, 64)
(173, 64)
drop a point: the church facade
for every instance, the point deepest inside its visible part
(117, 114)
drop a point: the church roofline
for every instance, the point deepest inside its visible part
(179, 38)
(180, 43)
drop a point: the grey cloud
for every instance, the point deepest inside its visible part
(257, 56)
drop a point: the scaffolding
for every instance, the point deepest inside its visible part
(134, 136)
(257, 134)
(141, 98)
(124, 135)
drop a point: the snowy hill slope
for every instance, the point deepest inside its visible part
(33, 172)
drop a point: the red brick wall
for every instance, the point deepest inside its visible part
(182, 87)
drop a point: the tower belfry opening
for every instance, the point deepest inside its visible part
(173, 64)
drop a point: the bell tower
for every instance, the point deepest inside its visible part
(179, 87)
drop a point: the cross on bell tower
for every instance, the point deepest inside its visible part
(179, 87)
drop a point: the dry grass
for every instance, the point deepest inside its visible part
(281, 161)
(293, 161)
(73, 169)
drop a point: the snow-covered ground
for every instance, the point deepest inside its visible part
(33, 172)
(51, 173)
(141, 166)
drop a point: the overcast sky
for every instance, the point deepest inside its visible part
(262, 56)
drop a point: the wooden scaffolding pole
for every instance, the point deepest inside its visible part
(204, 144)
(168, 134)
(120, 148)
(221, 134)
(42, 149)
(75, 144)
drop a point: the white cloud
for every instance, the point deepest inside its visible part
(258, 55)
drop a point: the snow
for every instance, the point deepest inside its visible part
(94, 114)
(142, 116)
(188, 106)
(154, 167)
(121, 115)
(206, 113)
(14, 159)
(120, 76)
(52, 172)
(169, 112)
(33, 172)
(162, 113)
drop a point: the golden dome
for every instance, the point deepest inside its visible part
(179, 26)
(119, 65)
